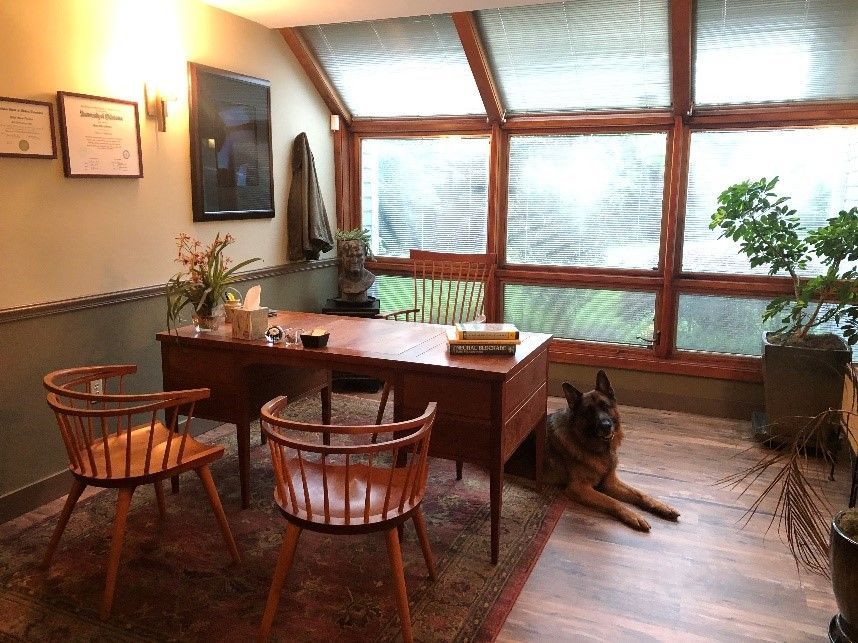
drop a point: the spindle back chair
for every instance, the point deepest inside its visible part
(116, 439)
(449, 288)
(349, 486)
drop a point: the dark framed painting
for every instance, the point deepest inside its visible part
(231, 157)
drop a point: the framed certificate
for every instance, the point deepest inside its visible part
(27, 129)
(100, 136)
(231, 157)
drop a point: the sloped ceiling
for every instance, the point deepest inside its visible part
(294, 13)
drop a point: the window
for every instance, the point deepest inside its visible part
(751, 51)
(703, 318)
(578, 55)
(574, 199)
(426, 193)
(818, 168)
(397, 67)
(610, 316)
(601, 226)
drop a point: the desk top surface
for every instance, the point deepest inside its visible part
(353, 340)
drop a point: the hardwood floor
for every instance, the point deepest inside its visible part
(702, 578)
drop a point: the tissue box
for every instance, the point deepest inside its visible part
(249, 324)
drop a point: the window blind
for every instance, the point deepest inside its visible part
(579, 55)
(397, 67)
(818, 168)
(609, 316)
(750, 51)
(586, 200)
(702, 319)
(426, 193)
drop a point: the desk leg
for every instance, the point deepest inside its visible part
(540, 452)
(495, 498)
(326, 412)
(326, 404)
(243, 437)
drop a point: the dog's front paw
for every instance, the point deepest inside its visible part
(665, 511)
(635, 521)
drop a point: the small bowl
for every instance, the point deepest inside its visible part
(315, 341)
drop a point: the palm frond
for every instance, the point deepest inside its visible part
(802, 512)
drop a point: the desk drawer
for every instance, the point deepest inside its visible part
(522, 385)
(463, 397)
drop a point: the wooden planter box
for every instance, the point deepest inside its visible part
(800, 383)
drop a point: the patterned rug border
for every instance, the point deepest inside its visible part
(515, 582)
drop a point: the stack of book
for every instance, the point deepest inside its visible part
(475, 338)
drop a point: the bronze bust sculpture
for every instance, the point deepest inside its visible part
(353, 278)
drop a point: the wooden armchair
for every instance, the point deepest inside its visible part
(347, 488)
(115, 439)
(449, 288)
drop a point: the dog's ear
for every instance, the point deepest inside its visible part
(603, 384)
(573, 396)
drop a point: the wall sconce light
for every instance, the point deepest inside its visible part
(156, 104)
(335, 122)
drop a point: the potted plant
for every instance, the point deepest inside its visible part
(844, 575)
(204, 283)
(802, 371)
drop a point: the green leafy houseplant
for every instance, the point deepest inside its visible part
(207, 276)
(768, 232)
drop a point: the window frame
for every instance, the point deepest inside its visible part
(669, 281)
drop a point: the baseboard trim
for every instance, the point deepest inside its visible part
(30, 311)
(23, 500)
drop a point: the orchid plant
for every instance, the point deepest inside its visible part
(206, 278)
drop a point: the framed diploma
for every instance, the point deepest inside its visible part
(27, 129)
(100, 136)
(231, 162)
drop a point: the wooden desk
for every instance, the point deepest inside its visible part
(487, 405)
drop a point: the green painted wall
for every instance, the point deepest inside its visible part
(30, 445)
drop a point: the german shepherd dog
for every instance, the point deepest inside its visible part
(583, 441)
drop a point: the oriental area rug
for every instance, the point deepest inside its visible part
(176, 580)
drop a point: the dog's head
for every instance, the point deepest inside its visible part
(595, 413)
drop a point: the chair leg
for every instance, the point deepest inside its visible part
(385, 393)
(459, 464)
(206, 478)
(422, 536)
(395, 555)
(123, 502)
(74, 494)
(159, 497)
(284, 562)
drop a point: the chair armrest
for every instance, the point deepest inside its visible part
(394, 314)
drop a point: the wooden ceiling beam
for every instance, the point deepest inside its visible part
(680, 57)
(775, 115)
(466, 25)
(651, 120)
(316, 74)
(421, 125)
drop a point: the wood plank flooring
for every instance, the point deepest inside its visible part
(702, 578)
